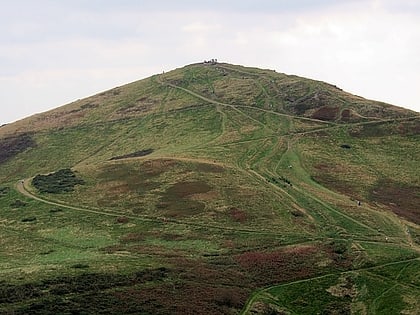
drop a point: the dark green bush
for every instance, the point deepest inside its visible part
(61, 181)
(29, 219)
(134, 154)
(18, 204)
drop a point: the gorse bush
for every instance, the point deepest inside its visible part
(61, 181)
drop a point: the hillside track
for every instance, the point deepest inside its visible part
(329, 126)
(257, 294)
(238, 106)
(22, 188)
(268, 149)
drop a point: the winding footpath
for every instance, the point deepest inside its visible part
(257, 294)
(23, 187)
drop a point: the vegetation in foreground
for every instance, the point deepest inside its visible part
(212, 189)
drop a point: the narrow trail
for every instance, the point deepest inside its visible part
(236, 107)
(243, 165)
(329, 123)
(330, 126)
(22, 187)
(257, 294)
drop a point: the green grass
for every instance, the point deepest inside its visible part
(373, 291)
(242, 195)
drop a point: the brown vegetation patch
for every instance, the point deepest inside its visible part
(378, 129)
(301, 104)
(172, 237)
(345, 114)
(122, 220)
(119, 181)
(141, 106)
(209, 168)
(87, 293)
(281, 265)
(88, 106)
(326, 113)
(184, 298)
(12, 146)
(179, 208)
(124, 178)
(238, 215)
(192, 287)
(157, 167)
(407, 128)
(60, 118)
(177, 201)
(133, 237)
(402, 199)
(328, 176)
(186, 189)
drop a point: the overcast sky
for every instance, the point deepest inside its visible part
(53, 52)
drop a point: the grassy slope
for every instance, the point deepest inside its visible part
(247, 187)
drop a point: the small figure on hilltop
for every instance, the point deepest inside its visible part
(211, 61)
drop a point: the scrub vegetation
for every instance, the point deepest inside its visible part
(212, 189)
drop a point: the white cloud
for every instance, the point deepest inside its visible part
(199, 27)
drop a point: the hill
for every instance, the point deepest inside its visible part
(212, 189)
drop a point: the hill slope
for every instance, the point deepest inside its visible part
(204, 185)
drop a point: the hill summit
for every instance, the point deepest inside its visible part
(216, 83)
(212, 189)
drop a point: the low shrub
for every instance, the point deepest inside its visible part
(134, 154)
(29, 219)
(61, 181)
(55, 210)
(18, 204)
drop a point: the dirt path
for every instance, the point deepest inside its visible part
(236, 107)
(258, 293)
(22, 187)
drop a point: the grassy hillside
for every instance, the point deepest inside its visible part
(212, 189)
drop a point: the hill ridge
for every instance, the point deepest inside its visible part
(244, 190)
(76, 110)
